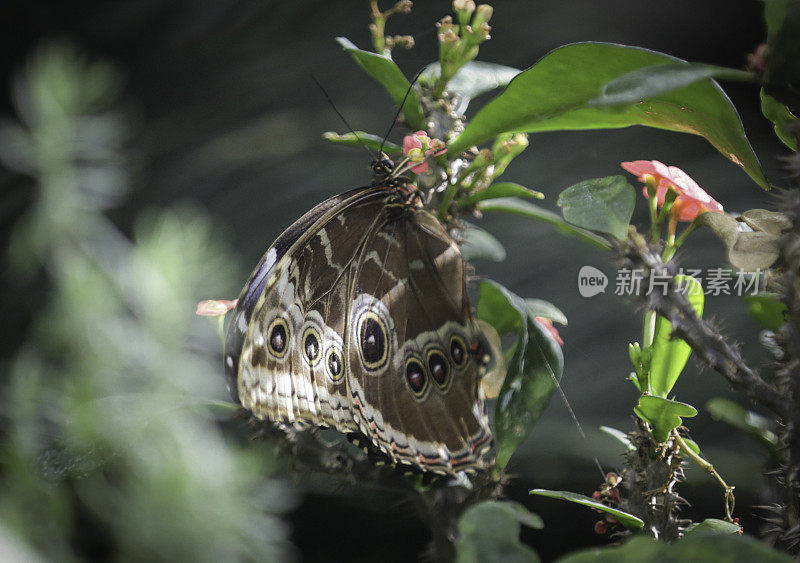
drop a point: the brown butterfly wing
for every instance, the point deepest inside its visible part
(414, 386)
(284, 354)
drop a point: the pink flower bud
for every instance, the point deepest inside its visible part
(215, 307)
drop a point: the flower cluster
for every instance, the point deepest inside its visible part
(418, 146)
(692, 199)
(608, 494)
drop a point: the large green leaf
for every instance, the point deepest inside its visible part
(527, 209)
(384, 70)
(628, 520)
(758, 426)
(533, 371)
(554, 93)
(670, 354)
(651, 81)
(728, 548)
(600, 204)
(489, 531)
(662, 414)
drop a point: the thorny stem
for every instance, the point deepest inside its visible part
(730, 500)
(706, 341)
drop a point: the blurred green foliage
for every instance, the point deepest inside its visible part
(110, 446)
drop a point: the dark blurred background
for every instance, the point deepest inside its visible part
(224, 114)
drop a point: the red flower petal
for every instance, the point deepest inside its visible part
(692, 199)
(547, 324)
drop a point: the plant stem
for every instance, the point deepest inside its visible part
(449, 194)
(378, 28)
(652, 207)
(730, 500)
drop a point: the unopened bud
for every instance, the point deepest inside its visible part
(448, 36)
(403, 7)
(437, 145)
(464, 6)
(402, 41)
(482, 14)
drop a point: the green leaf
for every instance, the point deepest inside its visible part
(489, 531)
(759, 427)
(650, 81)
(729, 548)
(542, 308)
(620, 436)
(782, 73)
(711, 527)
(533, 371)
(481, 245)
(694, 446)
(774, 14)
(662, 414)
(499, 190)
(780, 116)
(601, 204)
(526, 209)
(669, 355)
(495, 307)
(767, 309)
(628, 520)
(472, 79)
(554, 93)
(369, 140)
(384, 70)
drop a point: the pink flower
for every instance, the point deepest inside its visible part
(547, 324)
(692, 199)
(215, 307)
(419, 146)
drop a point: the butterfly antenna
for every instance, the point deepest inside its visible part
(562, 394)
(400, 109)
(330, 101)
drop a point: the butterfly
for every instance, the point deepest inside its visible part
(357, 318)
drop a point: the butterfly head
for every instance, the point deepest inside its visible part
(382, 169)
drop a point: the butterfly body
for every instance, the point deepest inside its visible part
(357, 318)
